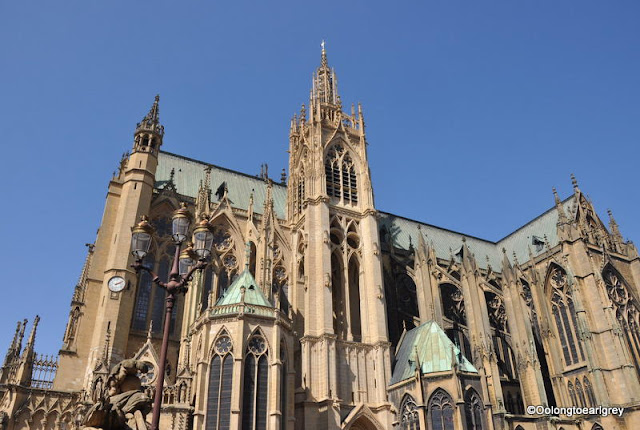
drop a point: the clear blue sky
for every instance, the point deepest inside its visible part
(474, 110)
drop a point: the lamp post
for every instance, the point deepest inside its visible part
(185, 262)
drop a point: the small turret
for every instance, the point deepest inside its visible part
(149, 132)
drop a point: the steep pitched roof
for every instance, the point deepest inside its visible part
(403, 231)
(429, 346)
(189, 173)
(252, 293)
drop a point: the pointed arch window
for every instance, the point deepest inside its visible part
(409, 419)
(453, 304)
(572, 394)
(626, 309)
(338, 301)
(220, 385)
(300, 194)
(441, 411)
(580, 393)
(354, 299)
(588, 390)
(340, 175)
(256, 377)
(145, 284)
(473, 410)
(564, 316)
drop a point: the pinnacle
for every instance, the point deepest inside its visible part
(574, 181)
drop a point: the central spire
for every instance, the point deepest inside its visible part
(325, 84)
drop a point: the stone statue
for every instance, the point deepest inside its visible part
(123, 405)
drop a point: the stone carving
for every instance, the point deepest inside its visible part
(123, 405)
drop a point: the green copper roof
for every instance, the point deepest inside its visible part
(428, 345)
(188, 173)
(404, 232)
(252, 293)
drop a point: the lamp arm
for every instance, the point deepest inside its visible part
(199, 266)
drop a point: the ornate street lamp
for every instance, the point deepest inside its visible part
(185, 262)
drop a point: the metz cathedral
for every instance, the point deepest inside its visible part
(317, 311)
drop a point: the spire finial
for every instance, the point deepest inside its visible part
(324, 61)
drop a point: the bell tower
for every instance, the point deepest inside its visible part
(102, 304)
(340, 296)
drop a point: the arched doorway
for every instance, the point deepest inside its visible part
(364, 423)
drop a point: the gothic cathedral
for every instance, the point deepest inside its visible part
(317, 311)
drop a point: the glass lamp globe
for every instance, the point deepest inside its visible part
(141, 236)
(181, 221)
(203, 239)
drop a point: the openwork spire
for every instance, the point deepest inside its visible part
(325, 84)
(151, 121)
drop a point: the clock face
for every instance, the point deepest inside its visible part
(117, 284)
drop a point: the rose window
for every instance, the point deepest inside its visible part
(223, 345)
(229, 261)
(147, 378)
(257, 345)
(222, 239)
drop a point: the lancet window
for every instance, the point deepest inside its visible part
(345, 278)
(400, 292)
(150, 300)
(409, 419)
(256, 378)
(626, 309)
(453, 304)
(280, 279)
(564, 316)
(572, 394)
(580, 393)
(473, 410)
(340, 175)
(300, 195)
(218, 276)
(220, 384)
(454, 311)
(441, 411)
(588, 391)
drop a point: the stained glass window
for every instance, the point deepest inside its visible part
(220, 385)
(409, 419)
(441, 410)
(340, 175)
(255, 389)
